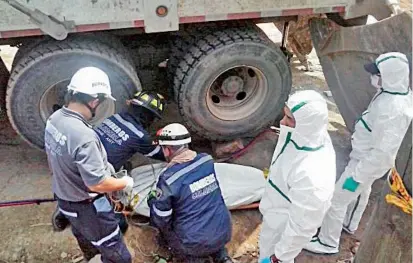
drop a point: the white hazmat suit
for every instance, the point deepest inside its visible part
(378, 135)
(301, 180)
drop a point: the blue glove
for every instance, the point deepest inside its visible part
(350, 184)
(266, 260)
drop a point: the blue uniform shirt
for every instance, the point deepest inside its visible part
(123, 136)
(190, 207)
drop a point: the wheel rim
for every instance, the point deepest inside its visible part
(53, 99)
(236, 93)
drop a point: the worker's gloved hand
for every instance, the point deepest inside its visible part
(129, 184)
(350, 184)
(271, 259)
(151, 197)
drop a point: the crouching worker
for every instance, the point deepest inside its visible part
(187, 207)
(81, 172)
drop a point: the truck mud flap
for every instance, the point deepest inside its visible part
(343, 51)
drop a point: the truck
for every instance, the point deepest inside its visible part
(227, 78)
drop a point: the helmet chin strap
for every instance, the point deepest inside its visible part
(93, 110)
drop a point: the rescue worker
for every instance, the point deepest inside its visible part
(300, 181)
(125, 134)
(122, 136)
(376, 140)
(187, 206)
(81, 172)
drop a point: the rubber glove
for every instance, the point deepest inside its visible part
(151, 196)
(129, 184)
(266, 260)
(350, 184)
(271, 259)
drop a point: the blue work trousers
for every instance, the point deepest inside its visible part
(96, 229)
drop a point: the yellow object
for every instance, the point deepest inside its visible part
(134, 201)
(399, 196)
(266, 172)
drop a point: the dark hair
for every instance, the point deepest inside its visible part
(83, 98)
(142, 114)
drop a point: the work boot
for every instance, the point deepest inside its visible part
(59, 221)
(225, 260)
(222, 256)
(123, 222)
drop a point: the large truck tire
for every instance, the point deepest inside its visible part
(4, 77)
(147, 54)
(232, 83)
(39, 81)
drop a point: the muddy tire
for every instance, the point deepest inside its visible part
(232, 83)
(25, 48)
(147, 54)
(39, 81)
(4, 77)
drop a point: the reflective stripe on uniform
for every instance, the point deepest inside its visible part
(363, 121)
(299, 148)
(187, 169)
(321, 243)
(66, 213)
(162, 213)
(278, 190)
(155, 151)
(106, 238)
(129, 125)
(298, 106)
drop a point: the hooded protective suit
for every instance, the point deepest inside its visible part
(377, 138)
(301, 180)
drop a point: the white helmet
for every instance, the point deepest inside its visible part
(174, 134)
(91, 81)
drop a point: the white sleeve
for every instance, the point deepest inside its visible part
(387, 135)
(392, 2)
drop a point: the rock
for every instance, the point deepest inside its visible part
(63, 255)
(15, 257)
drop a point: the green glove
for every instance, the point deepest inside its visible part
(350, 184)
(151, 197)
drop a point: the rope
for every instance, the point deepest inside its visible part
(242, 151)
(399, 195)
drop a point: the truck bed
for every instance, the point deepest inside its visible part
(97, 15)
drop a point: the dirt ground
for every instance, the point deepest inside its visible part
(27, 232)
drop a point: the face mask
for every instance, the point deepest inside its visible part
(374, 80)
(284, 130)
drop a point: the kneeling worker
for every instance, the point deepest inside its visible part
(187, 207)
(81, 172)
(125, 134)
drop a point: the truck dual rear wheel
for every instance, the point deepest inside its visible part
(39, 81)
(232, 83)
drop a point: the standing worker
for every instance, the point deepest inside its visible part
(376, 140)
(301, 179)
(187, 206)
(81, 172)
(123, 135)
